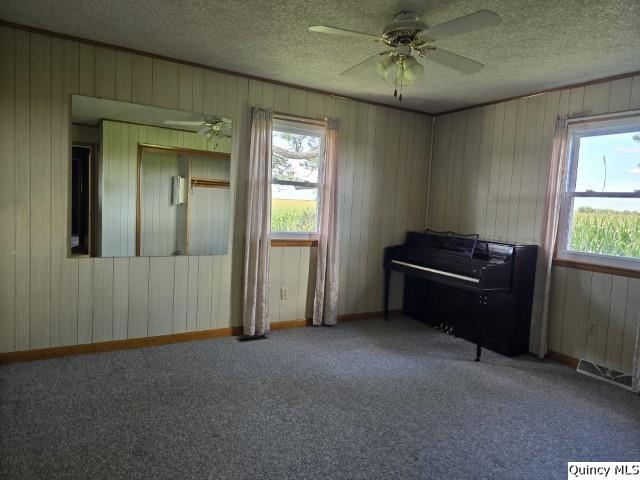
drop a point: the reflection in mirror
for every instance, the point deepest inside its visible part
(148, 181)
(183, 202)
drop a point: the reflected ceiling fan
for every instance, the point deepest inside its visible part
(210, 127)
(408, 37)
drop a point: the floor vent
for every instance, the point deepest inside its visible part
(607, 374)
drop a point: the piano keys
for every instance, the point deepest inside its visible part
(479, 290)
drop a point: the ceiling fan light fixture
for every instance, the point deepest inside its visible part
(387, 65)
(413, 69)
(402, 71)
(408, 35)
(404, 78)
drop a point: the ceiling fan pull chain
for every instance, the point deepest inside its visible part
(401, 74)
(395, 91)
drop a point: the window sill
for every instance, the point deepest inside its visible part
(594, 267)
(294, 242)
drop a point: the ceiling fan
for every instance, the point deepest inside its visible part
(210, 127)
(408, 35)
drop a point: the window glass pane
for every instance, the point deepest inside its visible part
(609, 163)
(294, 209)
(296, 157)
(606, 226)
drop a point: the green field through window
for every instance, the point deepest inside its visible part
(293, 215)
(606, 232)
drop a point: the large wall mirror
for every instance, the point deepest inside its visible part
(148, 181)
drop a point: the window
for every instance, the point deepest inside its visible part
(295, 166)
(600, 213)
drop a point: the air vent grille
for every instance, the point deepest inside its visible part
(604, 373)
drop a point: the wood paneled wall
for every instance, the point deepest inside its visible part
(48, 299)
(209, 208)
(489, 175)
(158, 215)
(294, 269)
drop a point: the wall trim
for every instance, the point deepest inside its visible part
(541, 92)
(134, 51)
(286, 324)
(144, 342)
(562, 358)
(96, 43)
(113, 345)
(355, 317)
(594, 267)
(292, 242)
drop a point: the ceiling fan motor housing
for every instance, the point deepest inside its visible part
(403, 30)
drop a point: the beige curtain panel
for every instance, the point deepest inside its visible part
(255, 300)
(542, 292)
(325, 303)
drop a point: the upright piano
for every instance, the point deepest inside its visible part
(475, 289)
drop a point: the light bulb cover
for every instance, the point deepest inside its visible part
(386, 66)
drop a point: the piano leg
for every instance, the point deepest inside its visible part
(478, 352)
(481, 318)
(387, 281)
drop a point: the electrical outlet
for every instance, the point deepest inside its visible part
(592, 328)
(284, 293)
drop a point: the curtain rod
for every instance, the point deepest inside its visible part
(601, 116)
(299, 118)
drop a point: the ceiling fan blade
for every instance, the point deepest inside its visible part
(369, 62)
(180, 122)
(469, 23)
(451, 60)
(342, 31)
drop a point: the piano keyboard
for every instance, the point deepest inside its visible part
(439, 272)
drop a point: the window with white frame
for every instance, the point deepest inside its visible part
(600, 213)
(298, 149)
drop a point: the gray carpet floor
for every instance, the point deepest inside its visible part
(362, 400)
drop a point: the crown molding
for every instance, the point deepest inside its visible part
(541, 92)
(203, 66)
(308, 89)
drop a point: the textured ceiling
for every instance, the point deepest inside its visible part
(540, 44)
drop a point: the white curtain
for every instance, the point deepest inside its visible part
(255, 300)
(325, 303)
(542, 292)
